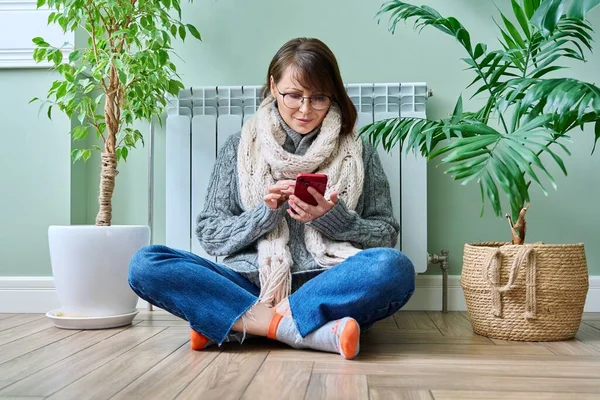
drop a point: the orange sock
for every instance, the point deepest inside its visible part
(198, 341)
(349, 339)
(273, 325)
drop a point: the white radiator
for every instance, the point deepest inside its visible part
(202, 118)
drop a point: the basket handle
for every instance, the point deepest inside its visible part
(525, 257)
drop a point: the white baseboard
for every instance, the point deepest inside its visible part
(37, 295)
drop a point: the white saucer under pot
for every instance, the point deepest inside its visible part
(75, 322)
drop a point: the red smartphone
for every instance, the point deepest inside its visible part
(303, 181)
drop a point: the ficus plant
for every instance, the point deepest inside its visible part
(123, 73)
(528, 109)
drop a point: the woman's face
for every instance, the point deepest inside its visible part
(302, 118)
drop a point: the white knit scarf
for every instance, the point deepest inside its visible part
(262, 162)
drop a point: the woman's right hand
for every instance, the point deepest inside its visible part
(279, 193)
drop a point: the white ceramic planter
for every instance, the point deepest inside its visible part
(90, 265)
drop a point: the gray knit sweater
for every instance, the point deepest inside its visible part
(225, 229)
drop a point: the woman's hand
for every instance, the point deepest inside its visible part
(279, 193)
(283, 308)
(304, 212)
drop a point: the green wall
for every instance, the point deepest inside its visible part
(35, 173)
(240, 37)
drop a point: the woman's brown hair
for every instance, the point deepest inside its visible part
(315, 68)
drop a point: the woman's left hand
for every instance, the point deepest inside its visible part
(304, 212)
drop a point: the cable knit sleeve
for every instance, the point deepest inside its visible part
(376, 225)
(223, 227)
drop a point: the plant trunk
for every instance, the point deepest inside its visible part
(109, 159)
(107, 187)
(518, 229)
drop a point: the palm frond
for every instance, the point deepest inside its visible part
(549, 13)
(541, 110)
(499, 160)
(424, 16)
(568, 40)
(416, 134)
(561, 97)
(530, 7)
(579, 8)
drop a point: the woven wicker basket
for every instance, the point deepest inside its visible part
(532, 292)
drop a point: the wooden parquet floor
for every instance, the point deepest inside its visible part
(413, 355)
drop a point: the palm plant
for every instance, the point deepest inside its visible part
(534, 112)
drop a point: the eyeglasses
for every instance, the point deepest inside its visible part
(318, 102)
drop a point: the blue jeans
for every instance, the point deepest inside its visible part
(369, 286)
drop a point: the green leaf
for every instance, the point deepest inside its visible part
(174, 87)
(40, 42)
(579, 8)
(516, 153)
(596, 134)
(541, 72)
(481, 190)
(50, 112)
(57, 57)
(87, 153)
(477, 79)
(79, 132)
(32, 100)
(465, 39)
(492, 192)
(89, 88)
(480, 50)
(62, 90)
(177, 7)
(529, 8)
(467, 168)
(194, 31)
(469, 174)
(547, 15)
(74, 56)
(76, 155)
(419, 130)
(466, 145)
(513, 32)
(425, 16)
(122, 76)
(491, 56)
(476, 128)
(162, 57)
(122, 152)
(182, 32)
(461, 154)
(515, 174)
(521, 17)
(532, 158)
(500, 171)
(458, 110)
(40, 3)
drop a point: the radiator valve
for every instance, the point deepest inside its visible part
(444, 262)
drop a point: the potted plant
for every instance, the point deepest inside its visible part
(514, 291)
(121, 74)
